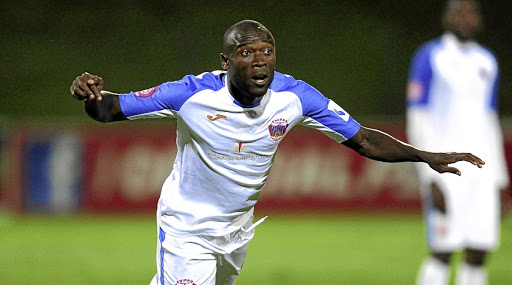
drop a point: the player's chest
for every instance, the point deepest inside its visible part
(463, 70)
(233, 129)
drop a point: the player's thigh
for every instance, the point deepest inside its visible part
(441, 215)
(483, 216)
(185, 261)
(230, 265)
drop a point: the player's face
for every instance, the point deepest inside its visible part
(463, 18)
(251, 65)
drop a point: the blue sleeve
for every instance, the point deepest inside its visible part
(495, 91)
(420, 76)
(168, 96)
(318, 111)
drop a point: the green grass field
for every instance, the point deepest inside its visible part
(298, 249)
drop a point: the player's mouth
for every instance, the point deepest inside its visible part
(260, 79)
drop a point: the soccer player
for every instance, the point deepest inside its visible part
(452, 102)
(229, 125)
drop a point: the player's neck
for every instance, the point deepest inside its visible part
(243, 98)
(463, 38)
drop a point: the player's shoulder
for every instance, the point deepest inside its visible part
(284, 82)
(212, 80)
(308, 96)
(182, 90)
(486, 51)
(429, 46)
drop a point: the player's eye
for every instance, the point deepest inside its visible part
(267, 51)
(245, 53)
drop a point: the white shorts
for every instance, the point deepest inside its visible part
(472, 217)
(202, 260)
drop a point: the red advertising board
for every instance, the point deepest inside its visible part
(123, 166)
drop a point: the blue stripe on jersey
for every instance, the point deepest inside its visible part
(315, 105)
(161, 237)
(493, 104)
(170, 95)
(311, 99)
(421, 72)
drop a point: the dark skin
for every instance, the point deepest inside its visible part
(463, 19)
(250, 61)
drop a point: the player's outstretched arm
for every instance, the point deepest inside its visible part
(380, 146)
(103, 106)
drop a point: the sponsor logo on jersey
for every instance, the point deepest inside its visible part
(277, 129)
(240, 146)
(218, 116)
(338, 110)
(484, 74)
(185, 282)
(146, 93)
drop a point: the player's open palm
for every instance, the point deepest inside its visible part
(440, 161)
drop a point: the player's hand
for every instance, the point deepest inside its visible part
(87, 87)
(440, 161)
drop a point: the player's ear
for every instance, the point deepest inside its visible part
(224, 61)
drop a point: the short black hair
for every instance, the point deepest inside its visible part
(227, 40)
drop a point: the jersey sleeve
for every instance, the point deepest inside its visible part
(419, 127)
(319, 112)
(420, 76)
(495, 89)
(165, 100)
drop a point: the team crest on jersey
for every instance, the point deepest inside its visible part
(185, 282)
(277, 129)
(146, 93)
(414, 91)
(484, 74)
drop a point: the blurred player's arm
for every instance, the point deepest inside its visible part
(102, 106)
(380, 146)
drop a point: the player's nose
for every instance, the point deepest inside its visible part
(259, 60)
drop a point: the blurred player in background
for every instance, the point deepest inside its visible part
(452, 103)
(230, 123)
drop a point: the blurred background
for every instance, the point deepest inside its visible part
(66, 180)
(354, 51)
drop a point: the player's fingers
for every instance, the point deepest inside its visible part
(78, 97)
(83, 84)
(469, 157)
(453, 170)
(95, 84)
(476, 160)
(96, 92)
(76, 91)
(99, 83)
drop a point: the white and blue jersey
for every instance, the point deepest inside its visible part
(452, 100)
(226, 149)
